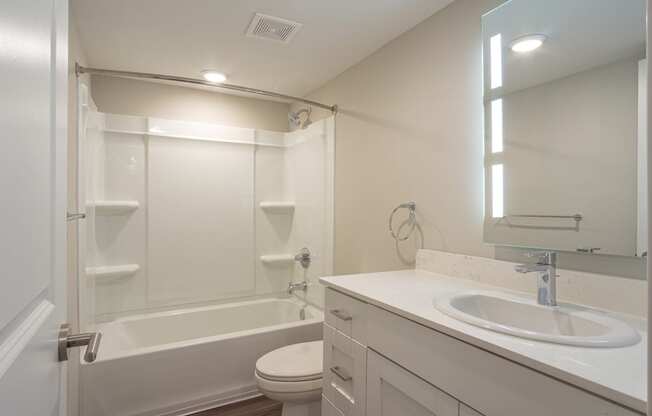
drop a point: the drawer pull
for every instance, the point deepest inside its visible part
(343, 375)
(343, 315)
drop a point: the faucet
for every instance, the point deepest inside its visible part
(297, 286)
(303, 257)
(546, 266)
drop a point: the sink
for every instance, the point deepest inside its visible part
(523, 317)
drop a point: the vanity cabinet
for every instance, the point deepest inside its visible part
(392, 390)
(400, 367)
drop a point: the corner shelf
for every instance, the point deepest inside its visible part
(278, 207)
(112, 272)
(277, 259)
(106, 208)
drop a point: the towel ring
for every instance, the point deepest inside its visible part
(411, 206)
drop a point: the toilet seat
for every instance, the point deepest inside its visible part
(288, 386)
(293, 368)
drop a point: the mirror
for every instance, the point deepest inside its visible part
(564, 144)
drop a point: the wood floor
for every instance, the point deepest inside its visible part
(258, 406)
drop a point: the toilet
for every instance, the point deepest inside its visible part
(292, 375)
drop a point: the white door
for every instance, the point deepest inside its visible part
(33, 102)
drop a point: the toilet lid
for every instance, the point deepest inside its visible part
(294, 362)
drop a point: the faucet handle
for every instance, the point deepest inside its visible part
(544, 257)
(302, 254)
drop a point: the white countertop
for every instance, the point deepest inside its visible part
(618, 374)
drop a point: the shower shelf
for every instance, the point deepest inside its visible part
(112, 272)
(278, 207)
(277, 259)
(113, 207)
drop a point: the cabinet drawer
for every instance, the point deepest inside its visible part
(328, 409)
(393, 391)
(489, 383)
(345, 366)
(347, 315)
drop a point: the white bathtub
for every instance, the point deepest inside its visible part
(175, 362)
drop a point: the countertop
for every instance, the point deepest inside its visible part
(617, 374)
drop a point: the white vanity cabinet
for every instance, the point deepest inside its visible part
(400, 367)
(392, 390)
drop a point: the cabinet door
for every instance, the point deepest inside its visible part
(467, 411)
(328, 409)
(392, 391)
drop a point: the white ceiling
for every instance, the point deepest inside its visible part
(182, 37)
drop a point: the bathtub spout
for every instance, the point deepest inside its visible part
(297, 286)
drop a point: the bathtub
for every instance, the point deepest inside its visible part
(182, 361)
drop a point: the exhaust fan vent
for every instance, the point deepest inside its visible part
(272, 28)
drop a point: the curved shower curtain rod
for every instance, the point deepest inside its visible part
(130, 74)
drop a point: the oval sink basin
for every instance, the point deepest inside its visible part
(523, 317)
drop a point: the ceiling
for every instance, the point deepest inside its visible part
(581, 34)
(183, 37)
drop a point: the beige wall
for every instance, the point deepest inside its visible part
(143, 98)
(410, 127)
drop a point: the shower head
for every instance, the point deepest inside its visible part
(295, 118)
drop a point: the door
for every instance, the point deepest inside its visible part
(33, 102)
(392, 390)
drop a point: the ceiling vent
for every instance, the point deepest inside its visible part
(272, 28)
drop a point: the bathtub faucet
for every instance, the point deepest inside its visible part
(297, 286)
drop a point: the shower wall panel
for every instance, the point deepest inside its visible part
(121, 239)
(273, 230)
(201, 228)
(184, 223)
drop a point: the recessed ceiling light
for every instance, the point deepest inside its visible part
(527, 43)
(213, 76)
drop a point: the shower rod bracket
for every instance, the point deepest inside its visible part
(79, 70)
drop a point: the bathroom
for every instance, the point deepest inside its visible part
(242, 211)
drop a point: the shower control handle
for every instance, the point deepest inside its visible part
(67, 340)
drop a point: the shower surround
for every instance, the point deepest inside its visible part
(184, 215)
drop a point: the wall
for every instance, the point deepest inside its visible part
(143, 98)
(410, 127)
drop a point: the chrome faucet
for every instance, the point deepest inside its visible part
(297, 286)
(304, 257)
(546, 266)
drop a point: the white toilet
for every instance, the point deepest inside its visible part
(293, 375)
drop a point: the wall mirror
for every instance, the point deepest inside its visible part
(564, 144)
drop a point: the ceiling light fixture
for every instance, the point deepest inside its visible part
(527, 43)
(213, 76)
